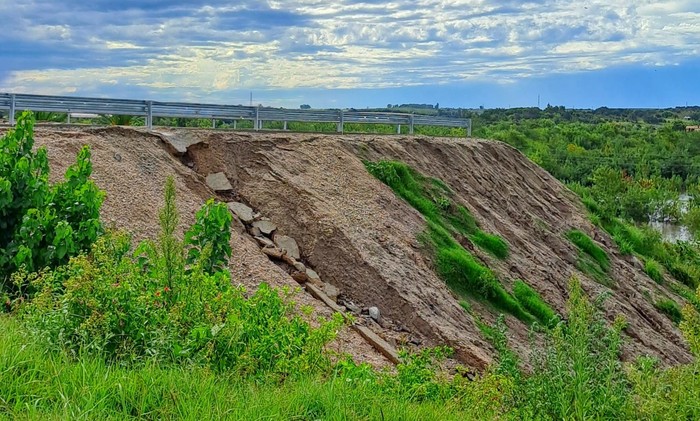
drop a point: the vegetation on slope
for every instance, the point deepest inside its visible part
(158, 331)
(448, 222)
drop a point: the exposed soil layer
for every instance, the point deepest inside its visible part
(361, 238)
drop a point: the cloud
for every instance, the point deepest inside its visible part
(208, 48)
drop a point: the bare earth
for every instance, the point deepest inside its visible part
(361, 238)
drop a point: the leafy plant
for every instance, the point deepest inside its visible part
(211, 229)
(132, 307)
(43, 225)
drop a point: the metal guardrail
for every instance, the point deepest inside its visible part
(150, 109)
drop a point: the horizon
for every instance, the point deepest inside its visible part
(460, 54)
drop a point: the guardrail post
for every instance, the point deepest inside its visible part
(149, 114)
(68, 120)
(410, 124)
(285, 126)
(341, 121)
(213, 123)
(257, 119)
(12, 110)
(469, 128)
(398, 129)
(234, 124)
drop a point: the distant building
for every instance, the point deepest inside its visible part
(692, 128)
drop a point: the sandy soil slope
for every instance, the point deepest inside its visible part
(361, 238)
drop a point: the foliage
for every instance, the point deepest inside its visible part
(210, 235)
(577, 374)
(533, 303)
(43, 225)
(148, 305)
(121, 120)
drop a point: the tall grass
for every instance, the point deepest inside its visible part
(36, 384)
(535, 304)
(588, 246)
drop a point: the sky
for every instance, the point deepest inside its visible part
(458, 53)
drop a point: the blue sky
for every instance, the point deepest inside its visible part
(459, 53)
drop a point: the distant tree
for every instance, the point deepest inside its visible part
(305, 106)
(388, 105)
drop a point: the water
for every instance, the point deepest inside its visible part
(674, 232)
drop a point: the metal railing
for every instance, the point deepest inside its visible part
(150, 109)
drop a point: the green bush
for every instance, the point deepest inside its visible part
(43, 225)
(577, 374)
(150, 305)
(588, 246)
(654, 270)
(533, 303)
(669, 308)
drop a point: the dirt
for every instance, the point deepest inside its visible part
(361, 238)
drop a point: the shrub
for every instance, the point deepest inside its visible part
(577, 374)
(533, 303)
(128, 307)
(211, 229)
(669, 308)
(43, 225)
(653, 269)
(588, 246)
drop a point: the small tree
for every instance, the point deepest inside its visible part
(43, 225)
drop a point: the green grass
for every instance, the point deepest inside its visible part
(590, 267)
(461, 271)
(654, 270)
(491, 243)
(588, 246)
(535, 304)
(669, 308)
(35, 384)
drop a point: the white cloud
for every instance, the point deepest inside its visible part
(311, 44)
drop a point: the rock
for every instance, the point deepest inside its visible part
(237, 225)
(255, 232)
(331, 291)
(374, 313)
(266, 227)
(264, 242)
(242, 211)
(352, 307)
(273, 252)
(313, 277)
(289, 245)
(300, 277)
(218, 182)
(300, 267)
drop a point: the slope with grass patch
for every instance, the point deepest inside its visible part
(495, 216)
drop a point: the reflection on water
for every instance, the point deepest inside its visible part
(672, 232)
